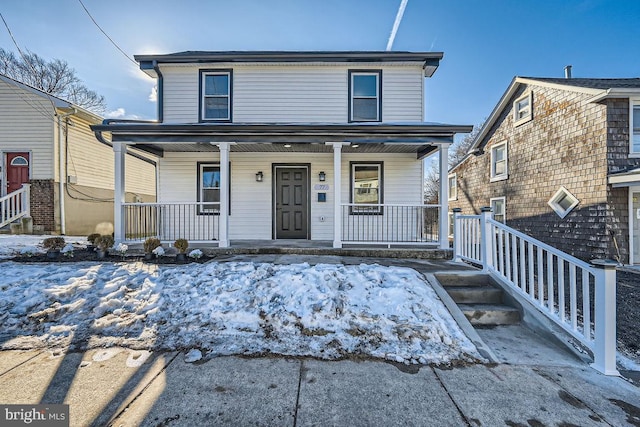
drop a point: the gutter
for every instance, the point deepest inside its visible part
(160, 93)
(100, 138)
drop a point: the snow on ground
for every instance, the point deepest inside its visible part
(325, 311)
(14, 244)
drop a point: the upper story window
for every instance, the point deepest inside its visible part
(523, 109)
(499, 166)
(453, 187)
(215, 99)
(635, 127)
(365, 96)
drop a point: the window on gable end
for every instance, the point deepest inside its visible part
(365, 96)
(563, 202)
(635, 127)
(523, 109)
(499, 163)
(215, 95)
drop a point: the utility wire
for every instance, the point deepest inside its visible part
(107, 35)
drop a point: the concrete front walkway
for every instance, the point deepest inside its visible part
(279, 391)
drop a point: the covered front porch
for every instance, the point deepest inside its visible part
(338, 185)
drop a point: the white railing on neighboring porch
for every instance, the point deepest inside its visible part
(15, 205)
(577, 296)
(390, 224)
(198, 222)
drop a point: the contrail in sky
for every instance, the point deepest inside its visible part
(396, 24)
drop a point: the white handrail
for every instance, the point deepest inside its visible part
(15, 205)
(577, 296)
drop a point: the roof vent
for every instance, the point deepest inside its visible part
(567, 72)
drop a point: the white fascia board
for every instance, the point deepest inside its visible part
(616, 93)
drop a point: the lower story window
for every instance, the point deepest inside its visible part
(366, 188)
(209, 188)
(563, 202)
(498, 208)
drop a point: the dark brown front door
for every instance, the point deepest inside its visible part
(17, 170)
(291, 207)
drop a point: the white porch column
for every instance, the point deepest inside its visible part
(337, 192)
(119, 154)
(223, 237)
(443, 233)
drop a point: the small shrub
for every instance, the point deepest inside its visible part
(150, 244)
(195, 254)
(53, 243)
(104, 242)
(67, 250)
(181, 245)
(92, 238)
(122, 249)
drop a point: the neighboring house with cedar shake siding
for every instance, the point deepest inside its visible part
(47, 142)
(559, 159)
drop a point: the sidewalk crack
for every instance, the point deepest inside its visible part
(295, 413)
(464, 417)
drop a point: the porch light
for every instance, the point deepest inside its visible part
(259, 176)
(287, 145)
(322, 176)
(355, 146)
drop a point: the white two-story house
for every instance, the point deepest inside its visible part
(324, 146)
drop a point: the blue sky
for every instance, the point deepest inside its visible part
(485, 42)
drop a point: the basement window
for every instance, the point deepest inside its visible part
(563, 202)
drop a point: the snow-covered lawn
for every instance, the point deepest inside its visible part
(325, 311)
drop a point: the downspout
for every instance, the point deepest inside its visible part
(61, 169)
(160, 92)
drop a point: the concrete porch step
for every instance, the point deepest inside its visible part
(475, 294)
(464, 280)
(490, 314)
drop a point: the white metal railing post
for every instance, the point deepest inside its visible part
(457, 238)
(26, 200)
(604, 351)
(486, 239)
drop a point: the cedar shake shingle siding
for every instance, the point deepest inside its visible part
(570, 142)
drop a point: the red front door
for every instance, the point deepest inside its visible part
(17, 171)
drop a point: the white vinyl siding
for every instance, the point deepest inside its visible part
(293, 94)
(91, 162)
(26, 124)
(251, 201)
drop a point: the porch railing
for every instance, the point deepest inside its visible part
(196, 221)
(577, 296)
(15, 205)
(389, 224)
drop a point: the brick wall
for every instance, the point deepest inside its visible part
(43, 204)
(568, 143)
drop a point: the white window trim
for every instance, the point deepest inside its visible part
(504, 207)
(633, 102)
(518, 121)
(201, 208)
(553, 202)
(355, 210)
(505, 175)
(450, 224)
(203, 108)
(378, 76)
(453, 191)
